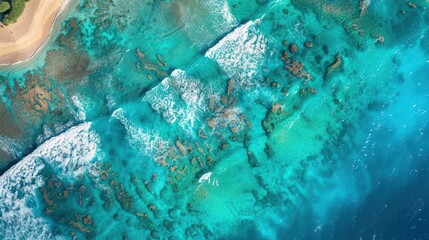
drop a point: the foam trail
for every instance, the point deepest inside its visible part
(203, 34)
(240, 53)
(178, 98)
(147, 142)
(11, 147)
(69, 154)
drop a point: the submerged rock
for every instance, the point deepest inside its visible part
(251, 158)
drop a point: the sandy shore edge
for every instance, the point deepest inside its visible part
(21, 41)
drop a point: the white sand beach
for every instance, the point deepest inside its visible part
(21, 40)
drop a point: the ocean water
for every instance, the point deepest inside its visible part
(213, 119)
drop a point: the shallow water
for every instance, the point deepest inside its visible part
(199, 119)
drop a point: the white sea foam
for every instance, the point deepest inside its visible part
(49, 132)
(227, 15)
(148, 142)
(17, 189)
(241, 53)
(69, 154)
(165, 99)
(10, 146)
(80, 114)
(219, 14)
(71, 151)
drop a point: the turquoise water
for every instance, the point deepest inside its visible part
(207, 119)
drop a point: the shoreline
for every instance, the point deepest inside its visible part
(34, 28)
